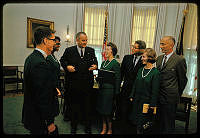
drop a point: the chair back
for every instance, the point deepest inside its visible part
(10, 71)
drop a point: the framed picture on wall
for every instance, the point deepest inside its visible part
(32, 24)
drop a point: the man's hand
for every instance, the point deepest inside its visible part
(154, 109)
(59, 93)
(71, 68)
(51, 128)
(93, 67)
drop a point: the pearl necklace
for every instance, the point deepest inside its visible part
(143, 76)
(104, 66)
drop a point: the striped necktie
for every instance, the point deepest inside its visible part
(164, 62)
(81, 52)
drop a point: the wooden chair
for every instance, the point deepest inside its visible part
(183, 111)
(11, 75)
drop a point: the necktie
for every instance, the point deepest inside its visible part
(135, 57)
(81, 53)
(165, 59)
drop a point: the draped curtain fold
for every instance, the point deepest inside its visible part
(160, 26)
(94, 25)
(78, 19)
(120, 16)
(181, 7)
(144, 24)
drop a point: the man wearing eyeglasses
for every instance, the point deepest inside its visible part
(129, 68)
(55, 67)
(40, 103)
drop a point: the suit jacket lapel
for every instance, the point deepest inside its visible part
(130, 63)
(86, 52)
(168, 61)
(76, 52)
(159, 62)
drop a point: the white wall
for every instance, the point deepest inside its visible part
(15, 16)
(15, 27)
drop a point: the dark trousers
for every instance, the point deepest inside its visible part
(124, 112)
(67, 106)
(167, 115)
(40, 129)
(80, 108)
(124, 108)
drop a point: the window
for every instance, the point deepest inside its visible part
(190, 54)
(94, 23)
(144, 25)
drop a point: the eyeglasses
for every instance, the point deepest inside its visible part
(52, 39)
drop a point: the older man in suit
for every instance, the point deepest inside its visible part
(172, 69)
(40, 97)
(79, 61)
(129, 68)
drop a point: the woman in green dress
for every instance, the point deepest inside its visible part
(107, 91)
(145, 90)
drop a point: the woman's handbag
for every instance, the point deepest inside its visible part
(148, 126)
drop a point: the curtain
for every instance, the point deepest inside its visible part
(78, 19)
(190, 53)
(119, 27)
(160, 26)
(94, 20)
(181, 7)
(144, 24)
(94, 23)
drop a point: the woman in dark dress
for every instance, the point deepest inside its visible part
(107, 91)
(145, 90)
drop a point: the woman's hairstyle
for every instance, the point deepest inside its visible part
(114, 48)
(151, 54)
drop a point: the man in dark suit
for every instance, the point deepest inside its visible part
(172, 69)
(55, 64)
(79, 62)
(40, 100)
(129, 68)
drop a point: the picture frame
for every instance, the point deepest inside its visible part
(32, 24)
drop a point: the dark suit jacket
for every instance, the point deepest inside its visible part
(82, 77)
(55, 67)
(129, 73)
(172, 78)
(39, 91)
